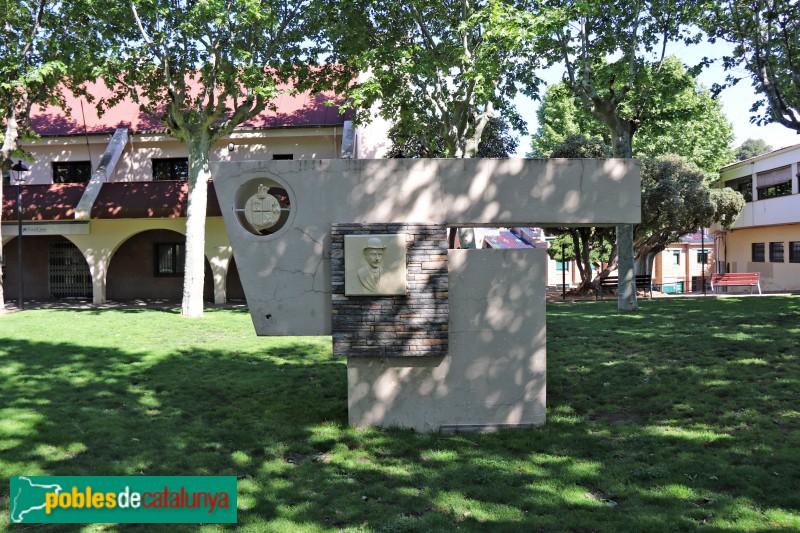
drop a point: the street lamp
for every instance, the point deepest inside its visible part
(18, 169)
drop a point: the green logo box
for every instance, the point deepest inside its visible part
(123, 499)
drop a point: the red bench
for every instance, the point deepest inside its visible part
(741, 279)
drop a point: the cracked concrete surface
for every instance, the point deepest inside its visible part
(495, 373)
(286, 276)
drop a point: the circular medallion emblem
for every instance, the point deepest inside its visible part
(262, 210)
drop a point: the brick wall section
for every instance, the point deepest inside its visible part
(386, 326)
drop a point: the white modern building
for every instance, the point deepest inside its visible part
(766, 237)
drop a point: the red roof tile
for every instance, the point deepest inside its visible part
(292, 111)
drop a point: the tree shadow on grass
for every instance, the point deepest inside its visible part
(652, 426)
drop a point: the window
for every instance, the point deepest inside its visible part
(744, 186)
(169, 259)
(774, 183)
(676, 257)
(702, 257)
(283, 157)
(72, 171)
(776, 252)
(794, 252)
(758, 252)
(173, 168)
(773, 191)
(560, 267)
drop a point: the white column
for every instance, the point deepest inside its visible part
(98, 267)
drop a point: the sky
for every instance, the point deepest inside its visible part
(736, 101)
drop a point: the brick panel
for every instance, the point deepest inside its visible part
(387, 326)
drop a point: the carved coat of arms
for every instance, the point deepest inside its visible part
(262, 210)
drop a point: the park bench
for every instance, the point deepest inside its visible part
(741, 279)
(611, 283)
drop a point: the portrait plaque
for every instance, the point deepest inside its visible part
(375, 265)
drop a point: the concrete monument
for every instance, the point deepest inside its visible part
(493, 373)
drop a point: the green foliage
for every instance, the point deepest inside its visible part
(438, 70)
(561, 114)
(700, 132)
(497, 141)
(562, 241)
(611, 54)
(41, 53)
(577, 146)
(695, 128)
(728, 205)
(653, 424)
(202, 68)
(600, 243)
(751, 148)
(676, 200)
(767, 38)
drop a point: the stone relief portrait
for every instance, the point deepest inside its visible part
(375, 264)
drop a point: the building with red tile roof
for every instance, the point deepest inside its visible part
(104, 200)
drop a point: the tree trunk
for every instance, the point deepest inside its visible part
(465, 147)
(626, 300)
(622, 138)
(194, 266)
(10, 139)
(641, 263)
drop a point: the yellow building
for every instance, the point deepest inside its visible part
(103, 203)
(682, 265)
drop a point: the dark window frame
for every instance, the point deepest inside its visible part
(757, 252)
(794, 251)
(283, 157)
(704, 255)
(676, 258)
(776, 252)
(170, 168)
(744, 186)
(168, 259)
(72, 171)
(775, 191)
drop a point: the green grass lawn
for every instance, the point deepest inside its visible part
(684, 416)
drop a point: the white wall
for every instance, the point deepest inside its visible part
(136, 161)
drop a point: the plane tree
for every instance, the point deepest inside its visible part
(614, 56)
(497, 141)
(201, 69)
(766, 35)
(42, 53)
(439, 71)
(702, 133)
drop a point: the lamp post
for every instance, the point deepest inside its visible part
(18, 169)
(705, 258)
